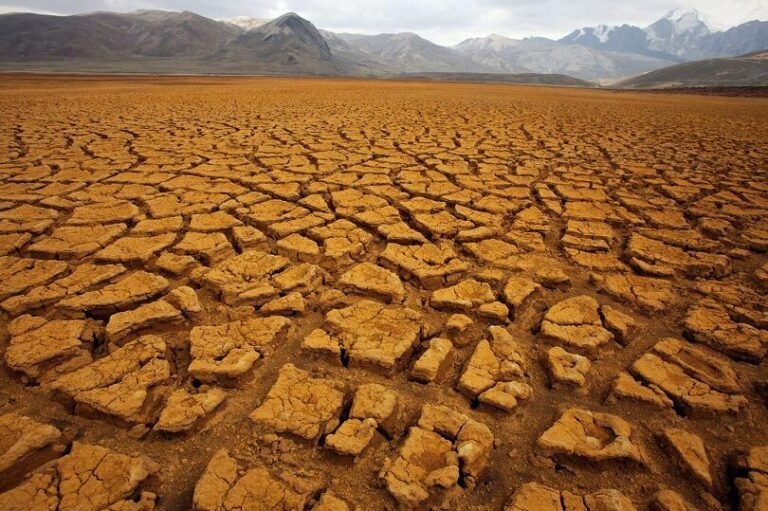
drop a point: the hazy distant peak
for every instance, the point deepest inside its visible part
(289, 16)
(683, 14)
(152, 14)
(150, 11)
(287, 21)
(602, 33)
(245, 22)
(493, 42)
(501, 40)
(686, 20)
(290, 23)
(406, 35)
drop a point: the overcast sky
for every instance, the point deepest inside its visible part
(442, 21)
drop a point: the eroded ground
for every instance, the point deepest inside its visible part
(247, 294)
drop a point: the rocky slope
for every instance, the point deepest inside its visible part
(284, 45)
(745, 71)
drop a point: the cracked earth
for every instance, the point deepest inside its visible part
(256, 294)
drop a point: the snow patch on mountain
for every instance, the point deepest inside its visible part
(603, 32)
(685, 20)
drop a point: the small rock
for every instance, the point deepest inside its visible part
(292, 303)
(139, 431)
(495, 311)
(299, 248)
(622, 326)
(688, 451)
(567, 367)
(668, 500)
(352, 436)
(183, 409)
(374, 401)
(369, 278)
(518, 290)
(300, 404)
(435, 363)
(458, 323)
(185, 299)
(591, 435)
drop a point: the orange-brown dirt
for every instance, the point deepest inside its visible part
(262, 293)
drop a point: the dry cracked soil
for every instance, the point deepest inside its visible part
(233, 294)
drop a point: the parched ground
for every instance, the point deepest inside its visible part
(231, 294)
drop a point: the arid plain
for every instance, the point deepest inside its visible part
(259, 293)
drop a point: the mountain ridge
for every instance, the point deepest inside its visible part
(742, 71)
(680, 35)
(169, 41)
(285, 43)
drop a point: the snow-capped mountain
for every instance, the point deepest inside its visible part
(601, 32)
(541, 55)
(624, 38)
(678, 32)
(245, 22)
(680, 35)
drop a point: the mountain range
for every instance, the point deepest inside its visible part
(185, 42)
(679, 35)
